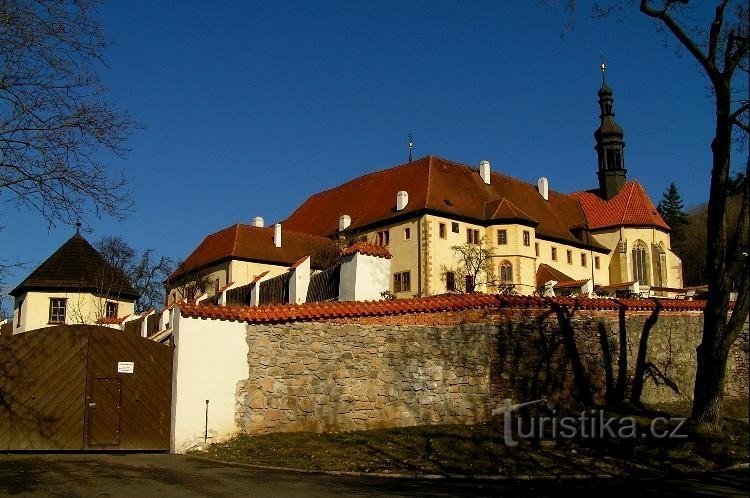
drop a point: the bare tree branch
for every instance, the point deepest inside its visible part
(54, 119)
(664, 16)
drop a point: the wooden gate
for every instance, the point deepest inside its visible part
(83, 387)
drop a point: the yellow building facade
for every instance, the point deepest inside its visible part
(75, 285)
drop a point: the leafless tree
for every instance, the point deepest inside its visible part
(146, 272)
(190, 283)
(54, 119)
(717, 40)
(474, 267)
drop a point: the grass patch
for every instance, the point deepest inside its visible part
(480, 450)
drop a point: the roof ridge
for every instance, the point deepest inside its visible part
(516, 208)
(429, 178)
(236, 236)
(627, 205)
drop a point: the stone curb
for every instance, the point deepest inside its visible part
(416, 475)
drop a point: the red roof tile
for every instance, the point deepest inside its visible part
(257, 278)
(367, 250)
(246, 242)
(225, 287)
(566, 284)
(545, 273)
(445, 187)
(113, 320)
(630, 207)
(298, 262)
(446, 302)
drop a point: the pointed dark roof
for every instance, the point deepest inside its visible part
(77, 267)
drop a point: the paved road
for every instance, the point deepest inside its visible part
(176, 475)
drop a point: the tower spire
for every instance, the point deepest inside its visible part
(610, 147)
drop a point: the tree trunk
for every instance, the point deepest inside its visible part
(714, 350)
(583, 383)
(640, 363)
(709, 389)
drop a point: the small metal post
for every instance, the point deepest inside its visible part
(205, 434)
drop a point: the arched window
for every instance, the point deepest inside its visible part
(640, 263)
(506, 272)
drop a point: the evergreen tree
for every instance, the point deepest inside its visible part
(671, 208)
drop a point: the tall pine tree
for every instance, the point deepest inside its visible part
(671, 208)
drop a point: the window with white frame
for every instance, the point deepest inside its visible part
(57, 309)
(110, 309)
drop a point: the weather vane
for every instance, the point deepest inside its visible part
(411, 145)
(603, 65)
(78, 227)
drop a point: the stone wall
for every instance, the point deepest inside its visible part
(455, 367)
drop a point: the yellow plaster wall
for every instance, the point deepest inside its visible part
(81, 308)
(174, 292)
(243, 272)
(610, 238)
(239, 272)
(439, 255)
(404, 251)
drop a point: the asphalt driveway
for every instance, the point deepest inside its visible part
(177, 475)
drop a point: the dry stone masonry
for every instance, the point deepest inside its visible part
(455, 367)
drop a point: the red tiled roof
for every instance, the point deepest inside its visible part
(257, 278)
(446, 302)
(503, 209)
(367, 250)
(113, 320)
(566, 284)
(222, 289)
(246, 242)
(298, 262)
(545, 273)
(445, 187)
(630, 207)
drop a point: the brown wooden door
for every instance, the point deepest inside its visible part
(104, 405)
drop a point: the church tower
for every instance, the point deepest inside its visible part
(609, 146)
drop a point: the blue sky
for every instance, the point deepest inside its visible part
(248, 108)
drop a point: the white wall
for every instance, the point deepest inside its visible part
(363, 277)
(299, 282)
(210, 359)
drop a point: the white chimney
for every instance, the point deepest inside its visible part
(344, 221)
(402, 199)
(484, 171)
(543, 186)
(277, 235)
(258, 222)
